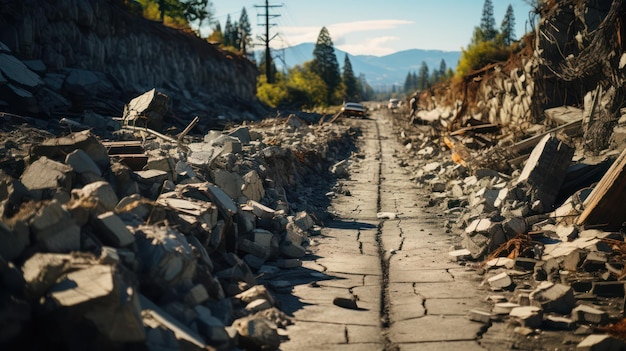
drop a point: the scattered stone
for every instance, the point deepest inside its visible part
(349, 303)
(113, 231)
(552, 297)
(500, 281)
(527, 316)
(479, 316)
(589, 314)
(600, 342)
(257, 333)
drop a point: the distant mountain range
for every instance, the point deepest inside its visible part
(381, 72)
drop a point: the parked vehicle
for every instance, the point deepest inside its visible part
(353, 109)
(393, 104)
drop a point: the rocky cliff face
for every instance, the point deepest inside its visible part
(97, 55)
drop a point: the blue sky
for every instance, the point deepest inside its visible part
(374, 27)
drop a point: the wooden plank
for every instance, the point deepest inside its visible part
(604, 208)
(534, 140)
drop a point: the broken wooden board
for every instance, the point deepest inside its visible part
(604, 208)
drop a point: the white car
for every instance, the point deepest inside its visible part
(393, 104)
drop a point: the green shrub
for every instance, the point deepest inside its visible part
(479, 55)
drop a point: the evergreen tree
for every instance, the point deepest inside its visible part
(442, 68)
(349, 80)
(325, 63)
(423, 77)
(434, 77)
(228, 32)
(408, 83)
(365, 90)
(488, 22)
(244, 31)
(507, 28)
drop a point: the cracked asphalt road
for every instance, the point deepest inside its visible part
(408, 294)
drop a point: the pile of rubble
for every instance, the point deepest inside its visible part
(545, 226)
(156, 242)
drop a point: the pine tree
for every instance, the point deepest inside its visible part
(349, 80)
(488, 22)
(507, 28)
(408, 83)
(231, 37)
(325, 62)
(423, 77)
(244, 31)
(442, 68)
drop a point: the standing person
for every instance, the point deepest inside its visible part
(413, 106)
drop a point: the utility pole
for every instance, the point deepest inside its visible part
(268, 55)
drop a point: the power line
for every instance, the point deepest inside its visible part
(267, 39)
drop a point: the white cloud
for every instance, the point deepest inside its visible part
(377, 46)
(341, 29)
(339, 32)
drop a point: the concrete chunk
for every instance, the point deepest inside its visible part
(82, 163)
(528, 316)
(260, 210)
(101, 193)
(257, 333)
(230, 182)
(224, 203)
(589, 314)
(545, 170)
(166, 256)
(46, 175)
(113, 231)
(54, 229)
(600, 342)
(552, 297)
(252, 187)
(155, 318)
(500, 281)
(58, 148)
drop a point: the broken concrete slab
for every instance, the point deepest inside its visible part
(165, 255)
(54, 230)
(230, 182)
(252, 187)
(112, 230)
(600, 342)
(82, 163)
(500, 281)
(545, 171)
(155, 318)
(553, 297)
(589, 314)
(41, 272)
(147, 110)
(58, 148)
(100, 194)
(225, 203)
(44, 176)
(261, 210)
(527, 316)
